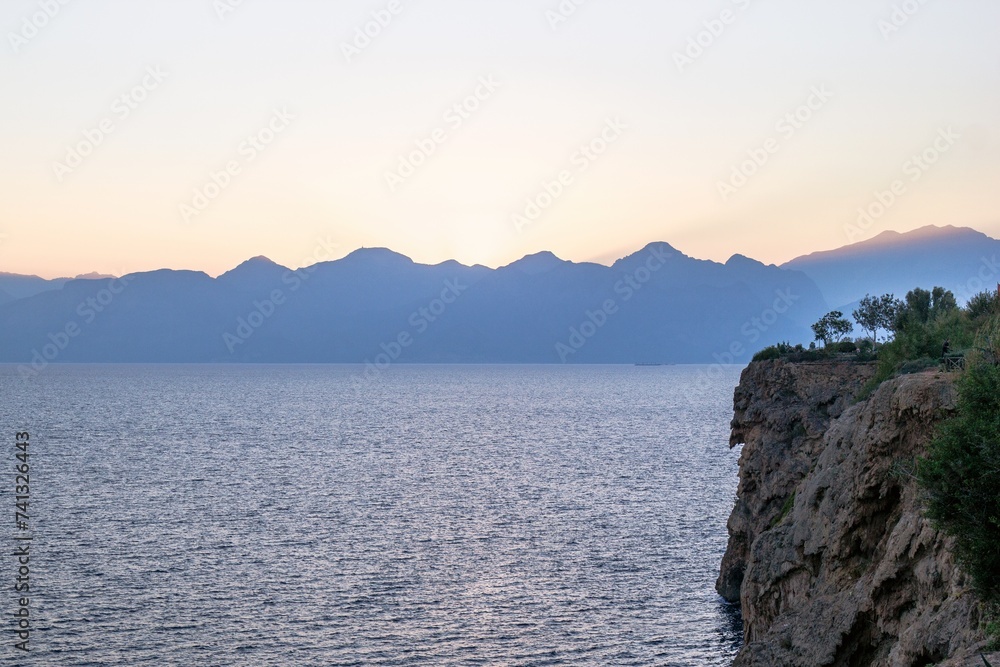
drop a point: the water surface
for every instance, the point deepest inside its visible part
(433, 515)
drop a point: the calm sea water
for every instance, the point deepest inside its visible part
(434, 515)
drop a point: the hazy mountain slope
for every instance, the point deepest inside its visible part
(656, 305)
(961, 259)
(18, 287)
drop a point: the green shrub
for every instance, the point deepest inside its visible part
(797, 353)
(866, 355)
(920, 335)
(767, 353)
(781, 350)
(983, 305)
(961, 475)
(845, 347)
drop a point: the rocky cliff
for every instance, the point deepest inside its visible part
(829, 554)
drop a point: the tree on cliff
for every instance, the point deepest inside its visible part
(923, 307)
(832, 327)
(876, 313)
(983, 305)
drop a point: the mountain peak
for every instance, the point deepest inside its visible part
(889, 238)
(378, 255)
(952, 257)
(539, 262)
(94, 275)
(742, 260)
(254, 269)
(258, 261)
(662, 247)
(928, 233)
(659, 249)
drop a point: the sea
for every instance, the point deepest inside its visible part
(344, 515)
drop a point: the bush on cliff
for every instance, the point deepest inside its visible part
(923, 323)
(982, 305)
(961, 475)
(794, 353)
(768, 353)
(862, 349)
(845, 347)
(920, 326)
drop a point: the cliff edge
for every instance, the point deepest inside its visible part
(829, 553)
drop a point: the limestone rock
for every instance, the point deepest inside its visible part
(782, 411)
(829, 550)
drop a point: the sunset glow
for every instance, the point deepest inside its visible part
(193, 134)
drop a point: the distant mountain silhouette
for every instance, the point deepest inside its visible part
(958, 258)
(375, 305)
(656, 305)
(14, 286)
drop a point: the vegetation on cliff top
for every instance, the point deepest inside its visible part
(916, 330)
(922, 327)
(961, 473)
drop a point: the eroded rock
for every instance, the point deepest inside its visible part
(829, 551)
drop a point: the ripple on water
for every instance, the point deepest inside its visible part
(437, 516)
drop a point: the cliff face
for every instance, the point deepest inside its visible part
(829, 553)
(782, 413)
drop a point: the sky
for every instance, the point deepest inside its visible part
(194, 134)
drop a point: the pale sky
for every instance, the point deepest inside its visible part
(672, 131)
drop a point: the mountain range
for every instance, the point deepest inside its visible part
(14, 286)
(959, 258)
(376, 306)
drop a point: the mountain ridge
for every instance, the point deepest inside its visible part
(654, 304)
(961, 259)
(649, 305)
(883, 239)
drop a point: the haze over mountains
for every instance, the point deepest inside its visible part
(961, 259)
(14, 286)
(655, 306)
